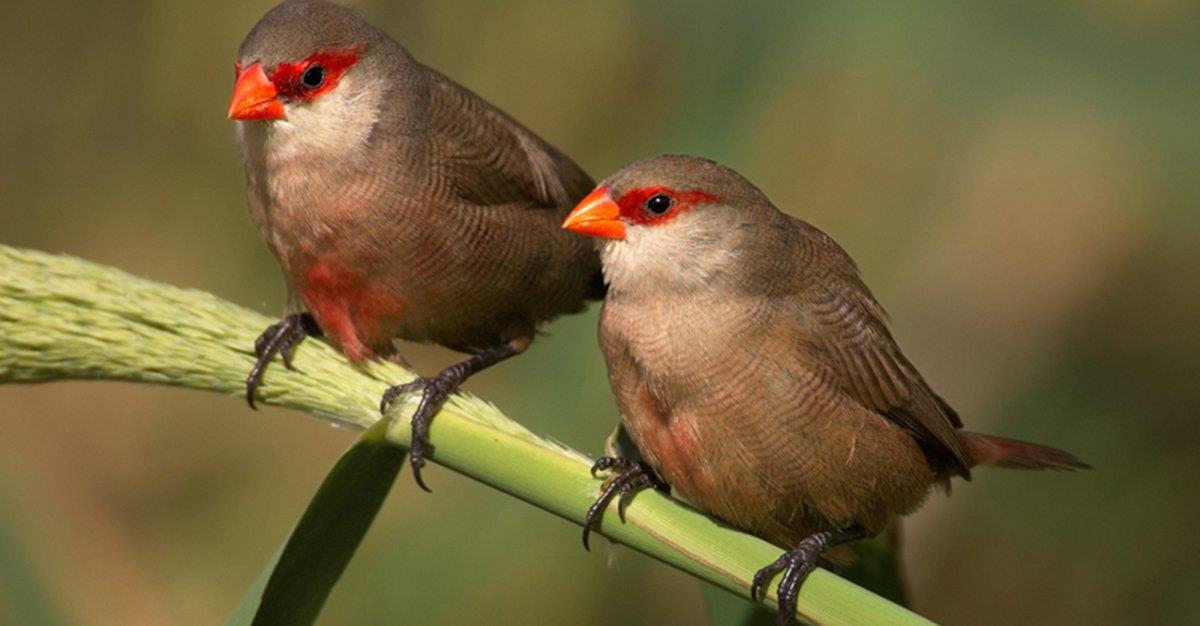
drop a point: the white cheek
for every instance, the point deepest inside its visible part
(616, 262)
(335, 124)
(680, 255)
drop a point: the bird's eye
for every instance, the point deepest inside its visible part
(659, 204)
(313, 77)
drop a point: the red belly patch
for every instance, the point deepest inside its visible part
(349, 307)
(673, 441)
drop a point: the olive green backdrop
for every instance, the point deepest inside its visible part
(1017, 181)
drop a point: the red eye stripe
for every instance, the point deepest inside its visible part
(286, 76)
(633, 203)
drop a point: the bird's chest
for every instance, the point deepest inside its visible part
(304, 197)
(666, 363)
(680, 345)
(345, 274)
(323, 223)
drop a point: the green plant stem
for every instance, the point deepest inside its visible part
(62, 318)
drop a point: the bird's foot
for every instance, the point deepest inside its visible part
(434, 391)
(630, 478)
(279, 338)
(796, 565)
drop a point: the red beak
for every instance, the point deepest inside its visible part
(254, 97)
(597, 216)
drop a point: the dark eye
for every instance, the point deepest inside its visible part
(313, 77)
(659, 204)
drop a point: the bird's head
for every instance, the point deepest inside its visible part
(311, 68)
(669, 221)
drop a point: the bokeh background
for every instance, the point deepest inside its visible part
(1017, 180)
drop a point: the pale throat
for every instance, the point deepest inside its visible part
(338, 124)
(674, 257)
(292, 158)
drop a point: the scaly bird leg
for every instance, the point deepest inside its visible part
(434, 391)
(796, 565)
(280, 338)
(631, 477)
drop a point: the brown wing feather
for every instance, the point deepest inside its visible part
(852, 338)
(491, 159)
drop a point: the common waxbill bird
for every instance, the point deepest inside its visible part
(399, 204)
(755, 371)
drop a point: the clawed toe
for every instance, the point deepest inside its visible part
(796, 565)
(434, 392)
(279, 338)
(392, 393)
(631, 478)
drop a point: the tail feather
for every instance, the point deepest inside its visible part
(1014, 454)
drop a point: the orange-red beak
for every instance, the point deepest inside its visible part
(597, 216)
(254, 97)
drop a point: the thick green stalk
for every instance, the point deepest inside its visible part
(63, 318)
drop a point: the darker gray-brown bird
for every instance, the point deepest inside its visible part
(398, 203)
(755, 371)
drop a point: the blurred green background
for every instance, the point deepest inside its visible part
(1017, 181)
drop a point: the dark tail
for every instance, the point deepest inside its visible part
(1013, 454)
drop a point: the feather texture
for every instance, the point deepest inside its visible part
(401, 205)
(756, 373)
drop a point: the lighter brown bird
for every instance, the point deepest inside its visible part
(756, 373)
(398, 203)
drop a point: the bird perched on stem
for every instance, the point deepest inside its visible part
(398, 203)
(756, 374)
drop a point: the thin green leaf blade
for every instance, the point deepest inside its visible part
(243, 613)
(293, 587)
